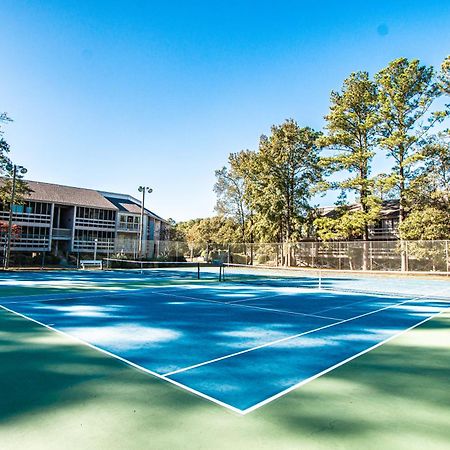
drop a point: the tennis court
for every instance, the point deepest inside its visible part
(238, 336)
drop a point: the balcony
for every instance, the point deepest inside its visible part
(383, 233)
(23, 218)
(129, 227)
(103, 246)
(101, 224)
(28, 242)
(62, 233)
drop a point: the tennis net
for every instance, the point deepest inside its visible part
(165, 269)
(365, 283)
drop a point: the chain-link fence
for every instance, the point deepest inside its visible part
(413, 256)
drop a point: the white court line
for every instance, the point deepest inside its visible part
(231, 355)
(141, 291)
(186, 296)
(77, 296)
(347, 304)
(200, 394)
(377, 295)
(345, 361)
(63, 297)
(280, 311)
(259, 297)
(247, 306)
(126, 361)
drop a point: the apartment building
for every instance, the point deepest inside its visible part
(64, 219)
(385, 227)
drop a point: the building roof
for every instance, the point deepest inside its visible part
(68, 195)
(127, 203)
(91, 198)
(389, 209)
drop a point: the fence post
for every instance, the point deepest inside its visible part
(406, 257)
(447, 257)
(339, 255)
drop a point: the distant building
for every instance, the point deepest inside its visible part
(385, 228)
(64, 219)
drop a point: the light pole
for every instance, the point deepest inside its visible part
(95, 249)
(15, 169)
(142, 189)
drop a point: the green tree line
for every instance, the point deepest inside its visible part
(7, 169)
(265, 195)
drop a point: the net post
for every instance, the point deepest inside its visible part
(198, 271)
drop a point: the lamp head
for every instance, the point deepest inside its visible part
(145, 188)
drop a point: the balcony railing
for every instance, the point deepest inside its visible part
(62, 233)
(95, 223)
(134, 227)
(26, 218)
(383, 233)
(28, 242)
(103, 246)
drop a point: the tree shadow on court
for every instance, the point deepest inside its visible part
(396, 396)
(41, 370)
(397, 392)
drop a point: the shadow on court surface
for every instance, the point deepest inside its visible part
(59, 394)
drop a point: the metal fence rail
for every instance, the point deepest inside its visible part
(411, 256)
(417, 256)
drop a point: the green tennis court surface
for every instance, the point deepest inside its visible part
(246, 345)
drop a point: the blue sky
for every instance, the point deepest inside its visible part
(113, 94)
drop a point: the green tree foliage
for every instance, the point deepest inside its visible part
(7, 169)
(431, 186)
(279, 179)
(406, 93)
(216, 229)
(4, 146)
(346, 225)
(425, 224)
(444, 76)
(352, 135)
(266, 193)
(429, 194)
(230, 191)
(6, 187)
(176, 231)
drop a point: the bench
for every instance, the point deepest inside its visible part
(91, 264)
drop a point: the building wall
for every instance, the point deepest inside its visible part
(48, 227)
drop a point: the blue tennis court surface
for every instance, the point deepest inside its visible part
(239, 345)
